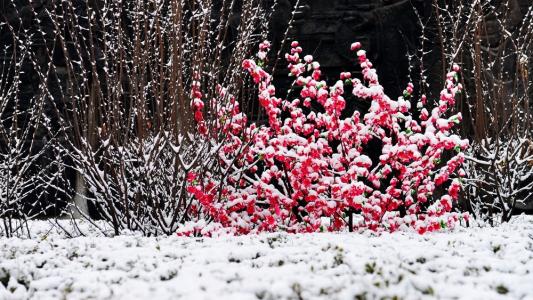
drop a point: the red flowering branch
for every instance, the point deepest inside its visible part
(298, 171)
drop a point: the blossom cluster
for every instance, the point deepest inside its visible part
(312, 163)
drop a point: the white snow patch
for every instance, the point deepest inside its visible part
(468, 263)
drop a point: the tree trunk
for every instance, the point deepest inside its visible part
(79, 207)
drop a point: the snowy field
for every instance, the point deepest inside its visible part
(474, 263)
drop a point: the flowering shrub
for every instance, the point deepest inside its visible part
(311, 162)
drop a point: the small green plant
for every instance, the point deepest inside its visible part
(502, 289)
(370, 268)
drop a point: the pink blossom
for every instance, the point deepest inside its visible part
(309, 160)
(355, 46)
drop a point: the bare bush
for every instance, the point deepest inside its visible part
(30, 166)
(501, 179)
(120, 75)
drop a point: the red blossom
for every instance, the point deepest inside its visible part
(287, 175)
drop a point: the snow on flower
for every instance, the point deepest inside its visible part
(311, 160)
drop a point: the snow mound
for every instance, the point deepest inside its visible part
(472, 263)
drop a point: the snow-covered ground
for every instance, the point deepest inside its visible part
(473, 263)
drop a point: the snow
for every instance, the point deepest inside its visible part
(467, 263)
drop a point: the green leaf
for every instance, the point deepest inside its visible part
(501, 289)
